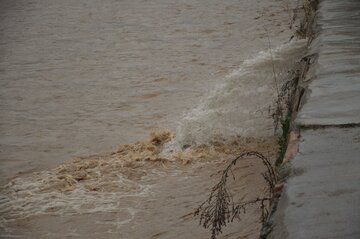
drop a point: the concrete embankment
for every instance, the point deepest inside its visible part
(321, 199)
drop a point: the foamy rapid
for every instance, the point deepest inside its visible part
(116, 181)
(100, 183)
(240, 105)
(108, 183)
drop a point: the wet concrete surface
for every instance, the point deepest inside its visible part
(322, 197)
(335, 95)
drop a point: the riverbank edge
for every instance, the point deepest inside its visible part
(289, 139)
(321, 198)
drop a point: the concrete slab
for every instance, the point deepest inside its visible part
(322, 200)
(334, 93)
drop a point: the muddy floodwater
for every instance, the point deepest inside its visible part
(80, 78)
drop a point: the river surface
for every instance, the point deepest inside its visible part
(82, 77)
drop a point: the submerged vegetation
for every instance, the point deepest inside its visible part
(282, 139)
(220, 208)
(306, 25)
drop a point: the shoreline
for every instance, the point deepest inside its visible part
(290, 139)
(320, 196)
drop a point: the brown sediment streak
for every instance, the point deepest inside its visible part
(96, 183)
(96, 173)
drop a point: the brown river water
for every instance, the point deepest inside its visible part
(80, 78)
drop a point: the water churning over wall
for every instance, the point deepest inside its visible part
(240, 105)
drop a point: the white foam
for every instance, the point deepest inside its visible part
(239, 106)
(23, 197)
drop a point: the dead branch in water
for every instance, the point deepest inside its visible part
(220, 209)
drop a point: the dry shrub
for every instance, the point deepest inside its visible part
(220, 208)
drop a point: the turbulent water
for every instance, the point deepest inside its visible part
(82, 77)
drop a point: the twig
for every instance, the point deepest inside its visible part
(220, 209)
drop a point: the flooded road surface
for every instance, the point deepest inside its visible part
(81, 77)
